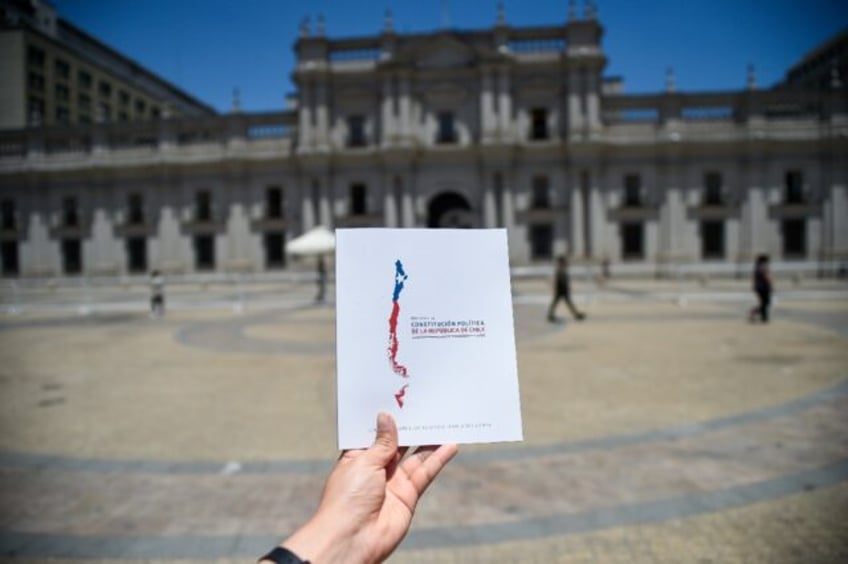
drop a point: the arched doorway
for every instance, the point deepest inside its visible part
(450, 209)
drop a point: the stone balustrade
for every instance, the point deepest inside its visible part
(218, 137)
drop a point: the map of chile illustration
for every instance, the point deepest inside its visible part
(397, 368)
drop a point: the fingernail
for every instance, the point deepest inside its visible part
(383, 422)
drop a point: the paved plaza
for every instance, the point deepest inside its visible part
(665, 428)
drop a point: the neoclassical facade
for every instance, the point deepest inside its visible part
(512, 127)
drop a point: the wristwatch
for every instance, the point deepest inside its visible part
(282, 555)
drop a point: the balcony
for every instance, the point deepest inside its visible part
(794, 210)
(638, 212)
(713, 210)
(135, 227)
(360, 220)
(268, 223)
(203, 226)
(11, 232)
(541, 214)
(80, 230)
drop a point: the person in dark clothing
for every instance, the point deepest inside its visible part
(157, 294)
(322, 280)
(761, 282)
(562, 291)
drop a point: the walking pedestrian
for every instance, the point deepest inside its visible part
(562, 291)
(322, 281)
(157, 294)
(762, 286)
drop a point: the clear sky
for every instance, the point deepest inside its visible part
(210, 47)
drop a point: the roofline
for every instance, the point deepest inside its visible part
(820, 48)
(134, 65)
(520, 32)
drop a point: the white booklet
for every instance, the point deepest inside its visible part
(424, 331)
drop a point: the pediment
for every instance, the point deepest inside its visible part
(353, 99)
(443, 52)
(353, 93)
(446, 94)
(538, 88)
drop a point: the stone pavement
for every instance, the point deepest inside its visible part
(663, 429)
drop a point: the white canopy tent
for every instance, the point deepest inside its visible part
(315, 242)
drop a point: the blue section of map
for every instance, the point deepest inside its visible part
(400, 276)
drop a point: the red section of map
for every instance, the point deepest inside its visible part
(399, 395)
(398, 369)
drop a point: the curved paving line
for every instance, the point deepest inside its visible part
(96, 320)
(229, 336)
(47, 545)
(642, 513)
(833, 393)
(66, 463)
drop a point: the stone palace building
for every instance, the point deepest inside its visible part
(513, 127)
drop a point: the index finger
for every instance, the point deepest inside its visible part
(423, 465)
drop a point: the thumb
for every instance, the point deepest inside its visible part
(383, 451)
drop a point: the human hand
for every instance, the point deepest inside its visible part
(369, 499)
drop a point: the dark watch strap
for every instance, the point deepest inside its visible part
(282, 555)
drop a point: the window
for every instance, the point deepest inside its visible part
(712, 239)
(70, 213)
(204, 252)
(63, 115)
(135, 205)
(71, 256)
(83, 80)
(274, 202)
(35, 57)
(62, 69)
(9, 258)
(36, 110)
(7, 215)
(140, 107)
(62, 93)
(123, 116)
(84, 101)
(447, 129)
(538, 124)
(137, 254)
(35, 81)
(713, 189)
(275, 244)
(540, 196)
(105, 89)
(632, 241)
(541, 241)
(794, 187)
(155, 113)
(358, 200)
(632, 190)
(794, 238)
(123, 98)
(203, 206)
(104, 112)
(356, 131)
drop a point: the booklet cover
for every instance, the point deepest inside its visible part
(424, 331)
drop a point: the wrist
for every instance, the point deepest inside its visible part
(282, 555)
(322, 541)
